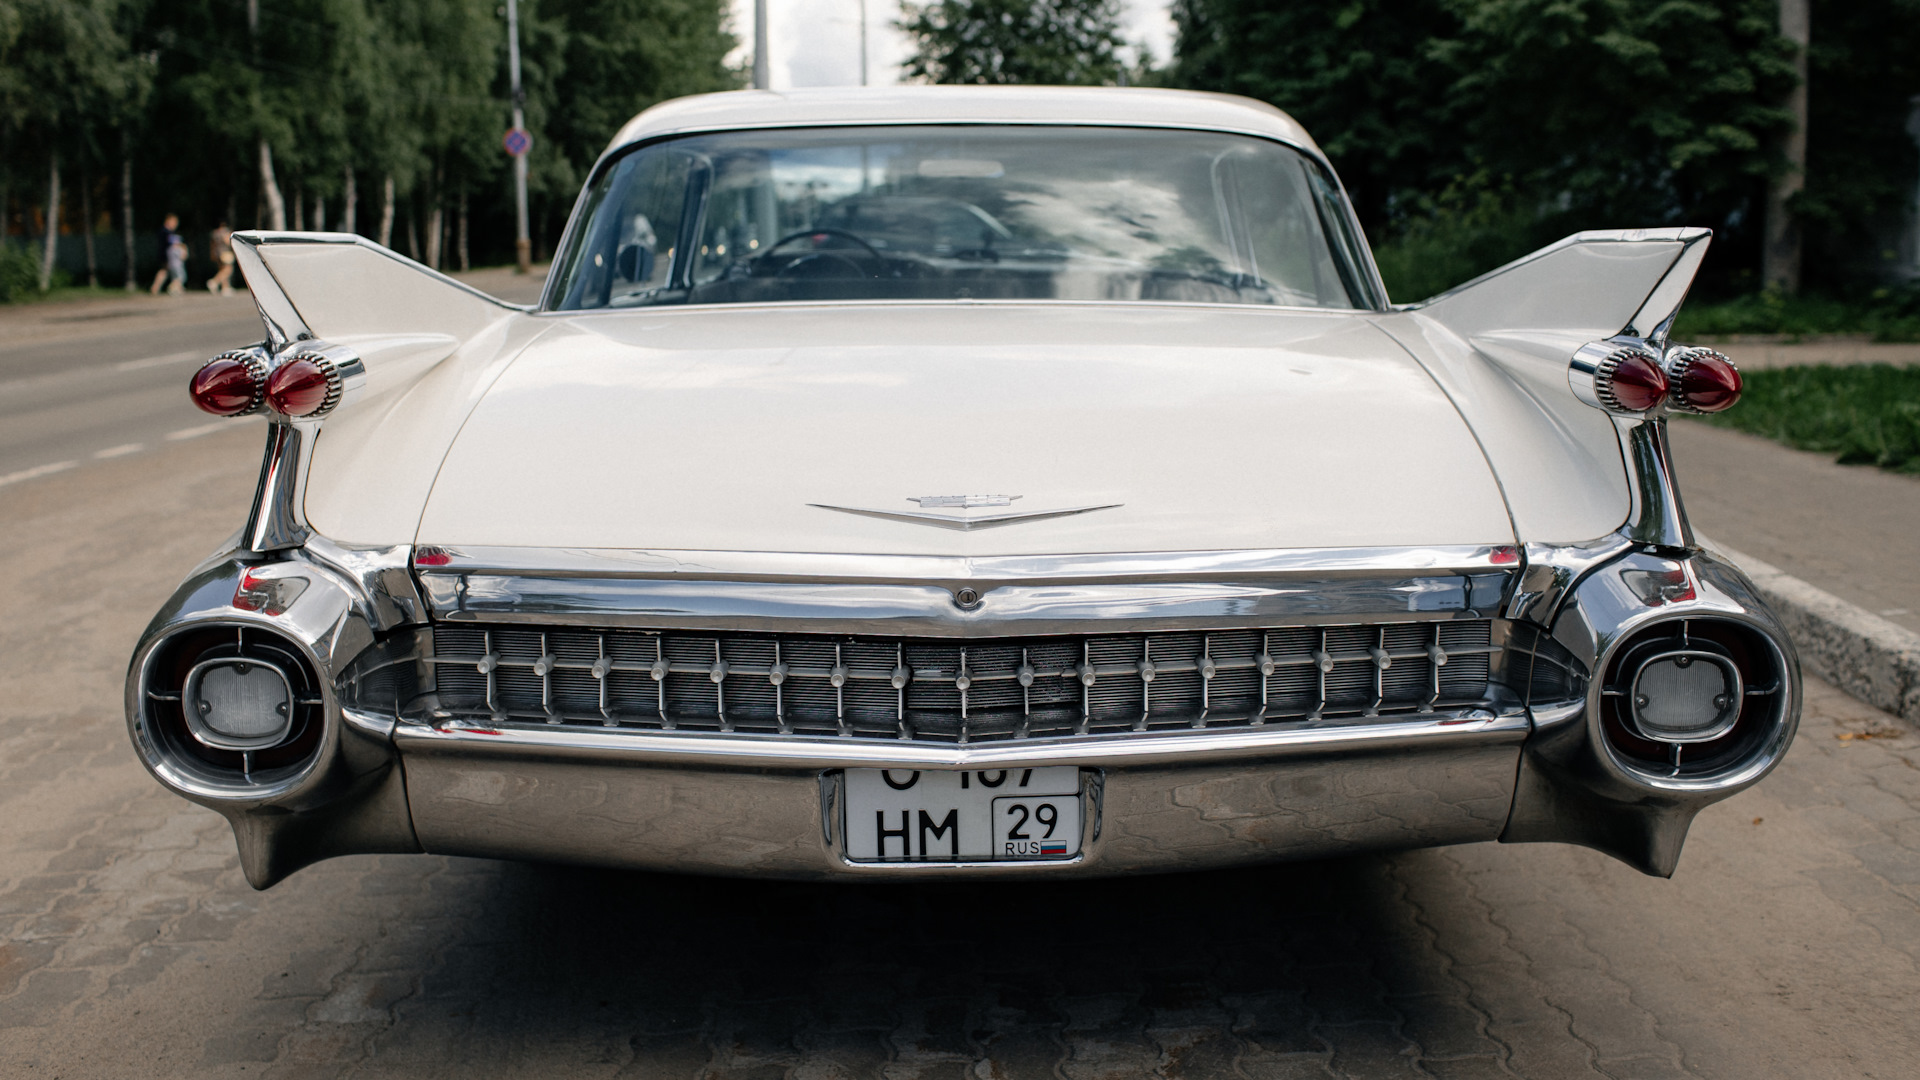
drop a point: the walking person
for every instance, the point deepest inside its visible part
(222, 251)
(173, 250)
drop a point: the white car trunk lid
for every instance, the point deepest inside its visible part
(1199, 428)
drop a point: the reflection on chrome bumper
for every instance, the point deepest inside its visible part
(1175, 802)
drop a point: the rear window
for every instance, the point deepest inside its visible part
(962, 213)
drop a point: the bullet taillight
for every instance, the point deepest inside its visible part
(1703, 381)
(306, 385)
(231, 384)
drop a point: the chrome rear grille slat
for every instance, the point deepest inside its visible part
(936, 689)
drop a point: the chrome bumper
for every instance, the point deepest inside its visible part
(769, 806)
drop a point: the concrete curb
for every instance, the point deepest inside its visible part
(1863, 654)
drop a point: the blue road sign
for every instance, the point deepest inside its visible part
(517, 142)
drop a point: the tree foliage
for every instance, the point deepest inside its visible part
(340, 91)
(1510, 122)
(1057, 42)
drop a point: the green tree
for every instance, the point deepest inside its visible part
(611, 60)
(1566, 113)
(1862, 163)
(1058, 42)
(1359, 74)
(223, 108)
(68, 68)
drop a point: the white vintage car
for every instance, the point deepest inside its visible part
(955, 482)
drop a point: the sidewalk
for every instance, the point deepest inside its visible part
(1763, 352)
(1835, 549)
(1851, 530)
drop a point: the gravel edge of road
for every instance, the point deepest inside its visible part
(1868, 657)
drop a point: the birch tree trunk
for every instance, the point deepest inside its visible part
(319, 212)
(386, 212)
(350, 203)
(433, 235)
(436, 207)
(299, 210)
(86, 227)
(270, 190)
(1781, 259)
(53, 223)
(126, 203)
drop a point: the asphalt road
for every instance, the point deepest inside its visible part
(130, 946)
(81, 383)
(100, 379)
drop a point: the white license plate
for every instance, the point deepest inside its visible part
(938, 815)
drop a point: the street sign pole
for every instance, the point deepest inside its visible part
(523, 243)
(761, 79)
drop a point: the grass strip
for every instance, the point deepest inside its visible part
(1864, 415)
(1885, 314)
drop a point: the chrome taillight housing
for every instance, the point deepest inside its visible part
(1619, 378)
(1689, 696)
(240, 702)
(1702, 380)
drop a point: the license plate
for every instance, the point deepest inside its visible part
(938, 815)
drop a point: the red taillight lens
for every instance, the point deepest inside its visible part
(227, 385)
(1632, 382)
(428, 555)
(1704, 381)
(302, 386)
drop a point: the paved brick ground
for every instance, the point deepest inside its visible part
(130, 946)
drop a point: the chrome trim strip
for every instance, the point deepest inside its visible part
(1469, 726)
(930, 610)
(913, 595)
(668, 563)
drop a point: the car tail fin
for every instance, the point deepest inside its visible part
(338, 286)
(1592, 285)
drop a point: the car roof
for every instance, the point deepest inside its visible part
(833, 106)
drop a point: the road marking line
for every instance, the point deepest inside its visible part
(37, 470)
(196, 432)
(157, 361)
(119, 451)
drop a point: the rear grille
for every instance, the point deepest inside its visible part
(939, 690)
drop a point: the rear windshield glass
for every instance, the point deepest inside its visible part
(956, 213)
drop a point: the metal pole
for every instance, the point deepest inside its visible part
(760, 80)
(522, 242)
(863, 53)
